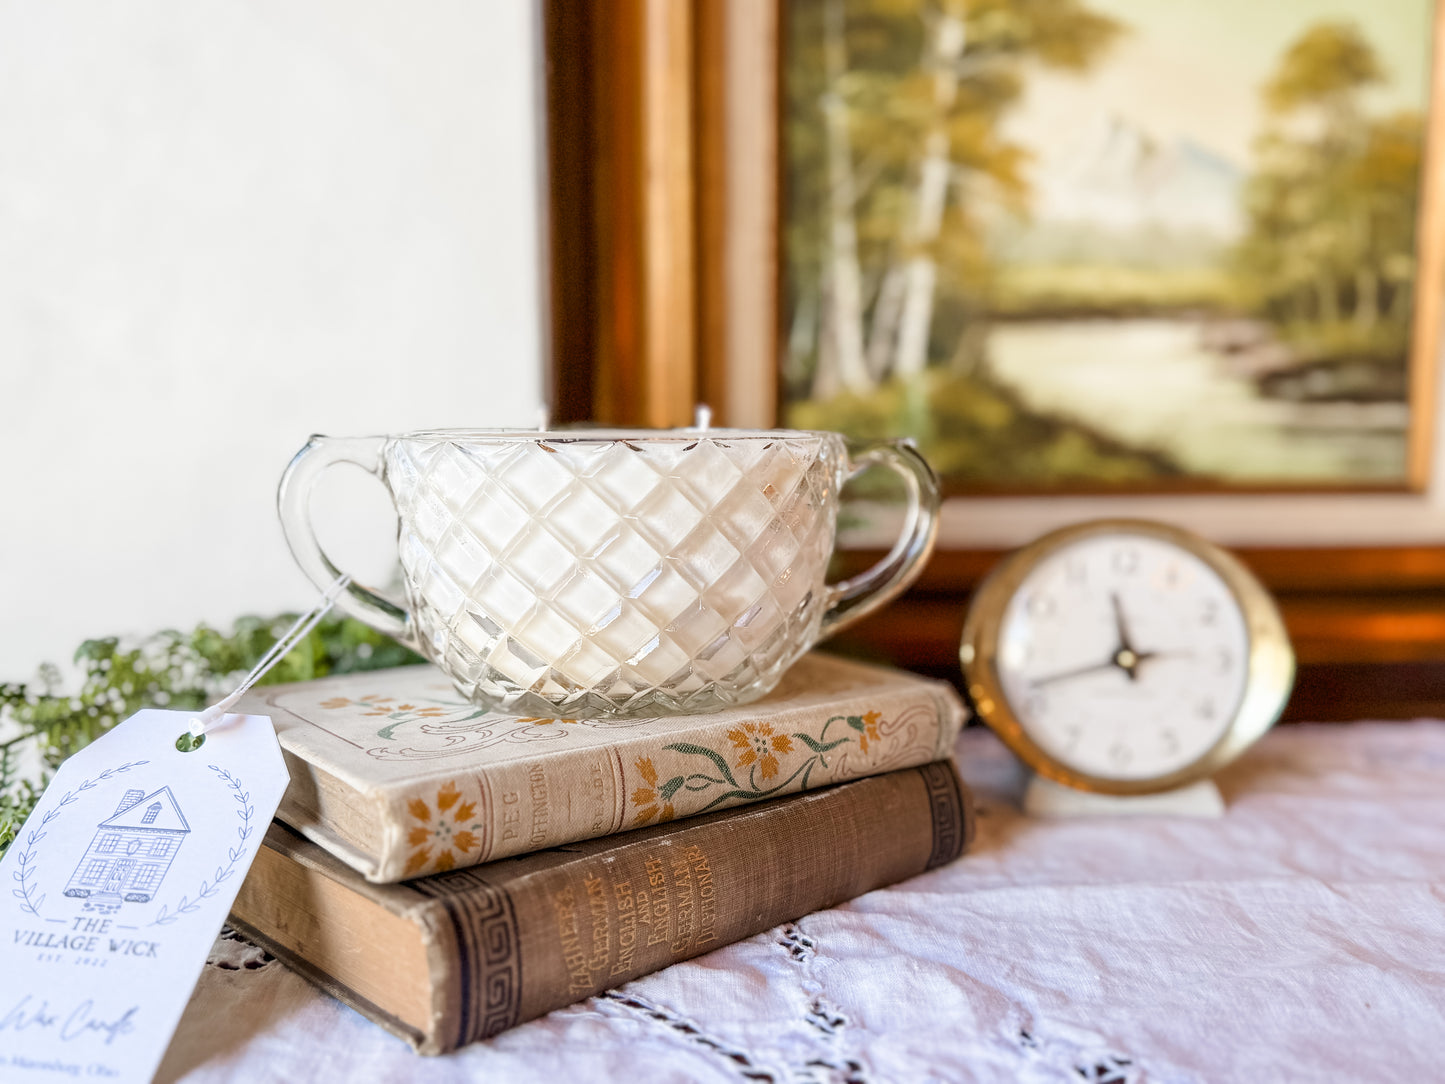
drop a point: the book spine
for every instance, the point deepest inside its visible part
(555, 798)
(530, 936)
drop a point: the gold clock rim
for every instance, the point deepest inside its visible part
(1269, 679)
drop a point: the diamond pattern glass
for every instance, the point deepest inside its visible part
(620, 573)
(595, 575)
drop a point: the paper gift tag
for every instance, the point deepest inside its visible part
(118, 883)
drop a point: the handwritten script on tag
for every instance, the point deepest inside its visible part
(117, 886)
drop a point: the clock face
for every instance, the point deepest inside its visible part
(1123, 656)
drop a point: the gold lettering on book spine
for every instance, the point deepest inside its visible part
(626, 926)
(706, 895)
(683, 890)
(569, 937)
(537, 791)
(541, 805)
(600, 958)
(607, 927)
(654, 902)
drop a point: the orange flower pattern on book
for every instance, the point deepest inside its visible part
(385, 706)
(867, 727)
(652, 800)
(756, 742)
(757, 762)
(442, 837)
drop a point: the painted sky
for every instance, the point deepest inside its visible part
(1192, 70)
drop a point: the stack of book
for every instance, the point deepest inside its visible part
(451, 872)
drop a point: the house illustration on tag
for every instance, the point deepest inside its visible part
(131, 851)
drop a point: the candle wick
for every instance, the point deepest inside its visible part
(702, 417)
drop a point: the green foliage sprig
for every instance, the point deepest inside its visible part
(170, 669)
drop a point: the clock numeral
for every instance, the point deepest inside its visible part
(1076, 571)
(1125, 561)
(1209, 612)
(1172, 574)
(1205, 709)
(1072, 734)
(1120, 755)
(1170, 741)
(1041, 606)
(1035, 705)
(1224, 660)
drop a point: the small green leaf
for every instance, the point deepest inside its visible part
(820, 747)
(688, 749)
(669, 788)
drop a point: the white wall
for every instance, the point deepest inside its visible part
(225, 225)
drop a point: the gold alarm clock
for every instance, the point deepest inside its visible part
(1125, 656)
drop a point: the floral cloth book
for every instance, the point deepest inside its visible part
(398, 776)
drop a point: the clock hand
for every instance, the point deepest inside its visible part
(1119, 625)
(1141, 656)
(1129, 660)
(1125, 659)
(1098, 667)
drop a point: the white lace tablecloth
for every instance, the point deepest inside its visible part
(1300, 937)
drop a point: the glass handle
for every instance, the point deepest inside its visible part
(854, 598)
(293, 502)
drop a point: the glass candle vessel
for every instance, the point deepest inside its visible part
(588, 572)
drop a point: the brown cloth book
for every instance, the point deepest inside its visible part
(446, 960)
(399, 777)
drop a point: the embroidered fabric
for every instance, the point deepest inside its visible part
(1299, 937)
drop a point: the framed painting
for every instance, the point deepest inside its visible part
(941, 219)
(1114, 245)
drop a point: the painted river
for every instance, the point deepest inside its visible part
(1152, 383)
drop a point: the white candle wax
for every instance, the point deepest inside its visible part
(578, 558)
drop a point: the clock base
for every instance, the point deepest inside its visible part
(1045, 798)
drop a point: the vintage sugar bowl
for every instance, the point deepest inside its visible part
(593, 572)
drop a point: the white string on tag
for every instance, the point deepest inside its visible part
(212, 716)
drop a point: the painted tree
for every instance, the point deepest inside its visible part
(894, 124)
(843, 278)
(975, 56)
(1333, 199)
